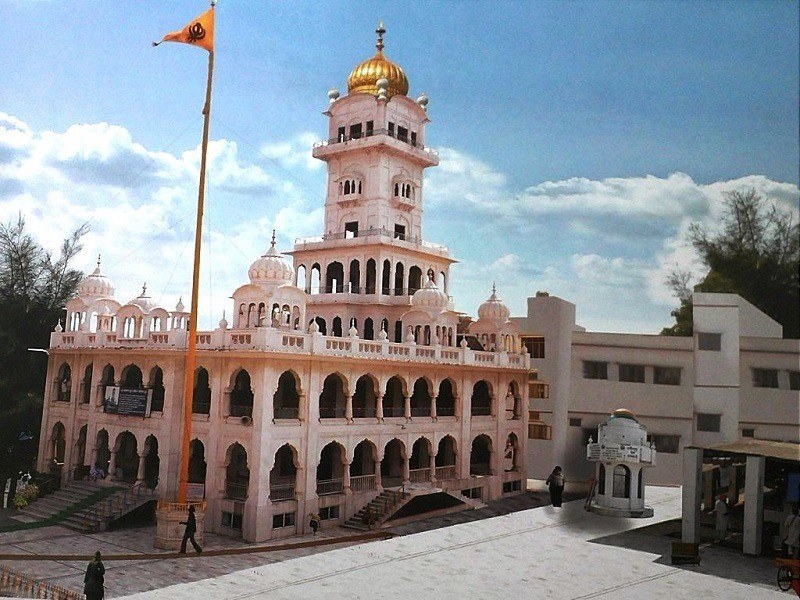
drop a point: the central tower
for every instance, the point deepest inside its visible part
(371, 258)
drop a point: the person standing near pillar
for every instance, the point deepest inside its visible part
(555, 483)
(188, 534)
(721, 519)
(791, 537)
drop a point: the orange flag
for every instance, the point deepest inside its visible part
(199, 32)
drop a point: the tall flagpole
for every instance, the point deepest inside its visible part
(188, 386)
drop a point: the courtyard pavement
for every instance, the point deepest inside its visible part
(514, 547)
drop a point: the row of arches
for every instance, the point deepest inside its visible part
(131, 377)
(337, 399)
(128, 322)
(389, 280)
(423, 335)
(261, 315)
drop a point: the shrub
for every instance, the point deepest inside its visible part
(26, 495)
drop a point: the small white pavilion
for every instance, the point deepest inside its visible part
(621, 453)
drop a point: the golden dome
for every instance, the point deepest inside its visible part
(365, 76)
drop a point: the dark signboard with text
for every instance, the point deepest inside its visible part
(127, 401)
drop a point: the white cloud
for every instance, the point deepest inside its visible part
(294, 153)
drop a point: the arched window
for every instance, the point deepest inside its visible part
(398, 279)
(300, 278)
(64, 383)
(421, 399)
(481, 399)
(242, 396)
(622, 482)
(132, 377)
(283, 476)
(334, 278)
(365, 398)
(316, 278)
(237, 473)
(445, 399)
(386, 278)
(369, 284)
(286, 401)
(86, 384)
(156, 384)
(394, 401)
(369, 329)
(337, 327)
(332, 400)
(414, 279)
(355, 277)
(480, 457)
(201, 399)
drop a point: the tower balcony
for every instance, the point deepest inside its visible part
(382, 139)
(369, 236)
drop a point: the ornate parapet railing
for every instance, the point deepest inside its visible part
(362, 483)
(269, 339)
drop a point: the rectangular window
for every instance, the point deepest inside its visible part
(512, 486)
(573, 422)
(283, 520)
(535, 345)
(399, 231)
(340, 135)
(667, 375)
(765, 378)
(370, 128)
(748, 433)
(595, 370)
(533, 415)
(708, 422)
(539, 431)
(632, 373)
(351, 229)
(355, 131)
(709, 341)
(391, 129)
(666, 444)
(413, 138)
(474, 493)
(794, 380)
(329, 512)
(232, 520)
(402, 134)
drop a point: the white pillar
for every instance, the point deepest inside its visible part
(691, 495)
(753, 504)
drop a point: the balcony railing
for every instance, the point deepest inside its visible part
(237, 410)
(421, 411)
(280, 492)
(343, 139)
(235, 491)
(329, 486)
(481, 411)
(419, 475)
(364, 412)
(286, 412)
(445, 411)
(480, 469)
(447, 472)
(362, 483)
(370, 232)
(394, 411)
(331, 412)
(202, 408)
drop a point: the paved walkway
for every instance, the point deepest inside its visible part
(507, 548)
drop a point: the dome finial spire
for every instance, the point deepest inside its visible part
(494, 288)
(98, 260)
(144, 289)
(380, 31)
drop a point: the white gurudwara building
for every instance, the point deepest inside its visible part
(336, 379)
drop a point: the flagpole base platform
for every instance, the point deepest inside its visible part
(169, 531)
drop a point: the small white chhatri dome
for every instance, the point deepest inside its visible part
(271, 268)
(143, 301)
(429, 297)
(493, 309)
(96, 285)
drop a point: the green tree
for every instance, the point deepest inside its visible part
(755, 253)
(34, 287)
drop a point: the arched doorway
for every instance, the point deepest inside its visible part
(283, 476)
(79, 458)
(419, 463)
(126, 458)
(58, 445)
(446, 459)
(157, 385)
(511, 453)
(481, 399)
(103, 459)
(362, 469)
(286, 400)
(421, 399)
(332, 400)
(394, 401)
(393, 463)
(152, 462)
(330, 470)
(242, 395)
(64, 383)
(237, 473)
(201, 396)
(480, 456)
(197, 463)
(365, 398)
(446, 399)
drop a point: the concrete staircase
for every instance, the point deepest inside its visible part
(383, 506)
(95, 517)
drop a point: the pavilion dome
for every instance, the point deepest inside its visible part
(143, 301)
(364, 76)
(271, 268)
(96, 285)
(429, 297)
(493, 309)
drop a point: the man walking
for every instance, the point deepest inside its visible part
(188, 534)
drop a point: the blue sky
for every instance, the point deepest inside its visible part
(578, 139)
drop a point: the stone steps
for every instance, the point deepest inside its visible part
(383, 506)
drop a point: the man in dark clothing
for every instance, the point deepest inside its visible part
(94, 579)
(555, 482)
(188, 534)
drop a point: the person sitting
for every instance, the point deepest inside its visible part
(96, 473)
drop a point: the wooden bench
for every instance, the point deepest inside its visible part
(685, 553)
